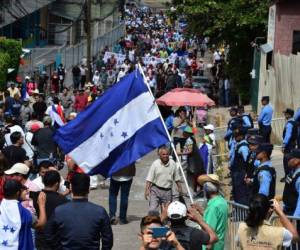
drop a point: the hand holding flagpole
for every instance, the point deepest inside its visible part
(170, 139)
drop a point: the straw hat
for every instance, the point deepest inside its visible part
(208, 178)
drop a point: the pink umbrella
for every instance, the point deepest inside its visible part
(185, 97)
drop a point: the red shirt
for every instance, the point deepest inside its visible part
(80, 102)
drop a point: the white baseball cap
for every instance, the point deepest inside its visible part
(18, 168)
(209, 127)
(176, 210)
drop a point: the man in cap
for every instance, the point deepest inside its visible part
(289, 137)
(253, 141)
(210, 141)
(246, 118)
(189, 237)
(265, 119)
(239, 157)
(233, 123)
(291, 198)
(216, 212)
(264, 176)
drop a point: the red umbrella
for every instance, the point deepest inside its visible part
(185, 97)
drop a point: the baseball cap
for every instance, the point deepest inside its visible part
(209, 127)
(176, 210)
(239, 131)
(18, 168)
(233, 109)
(264, 147)
(34, 127)
(255, 139)
(289, 111)
(265, 98)
(12, 186)
(295, 153)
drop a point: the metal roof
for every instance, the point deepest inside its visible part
(12, 10)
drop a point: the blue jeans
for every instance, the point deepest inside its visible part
(113, 194)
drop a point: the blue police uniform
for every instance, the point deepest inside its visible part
(246, 121)
(291, 198)
(238, 169)
(297, 119)
(290, 134)
(264, 122)
(264, 180)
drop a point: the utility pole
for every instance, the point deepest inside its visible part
(87, 24)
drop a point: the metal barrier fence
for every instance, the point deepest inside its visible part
(238, 213)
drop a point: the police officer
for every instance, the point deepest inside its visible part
(264, 176)
(291, 198)
(246, 118)
(265, 119)
(233, 123)
(238, 169)
(253, 141)
(297, 119)
(289, 136)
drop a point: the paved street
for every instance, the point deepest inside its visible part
(125, 236)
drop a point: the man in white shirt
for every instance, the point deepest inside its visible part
(45, 166)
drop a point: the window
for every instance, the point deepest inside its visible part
(296, 42)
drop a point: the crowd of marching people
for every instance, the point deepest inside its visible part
(43, 209)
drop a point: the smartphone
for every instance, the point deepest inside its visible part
(33, 195)
(159, 232)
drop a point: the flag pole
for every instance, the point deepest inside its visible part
(169, 136)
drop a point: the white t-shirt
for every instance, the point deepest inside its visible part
(38, 181)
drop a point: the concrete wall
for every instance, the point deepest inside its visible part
(287, 20)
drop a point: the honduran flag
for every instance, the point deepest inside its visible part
(15, 226)
(117, 129)
(57, 115)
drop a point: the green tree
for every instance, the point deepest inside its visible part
(4, 60)
(14, 49)
(232, 22)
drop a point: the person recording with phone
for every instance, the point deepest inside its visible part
(256, 232)
(153, 236)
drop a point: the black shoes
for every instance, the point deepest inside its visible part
(115, 221)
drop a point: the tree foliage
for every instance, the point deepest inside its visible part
(13, 48)
(4, 60)
(232, 22)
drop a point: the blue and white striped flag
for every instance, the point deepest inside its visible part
(117, 129)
